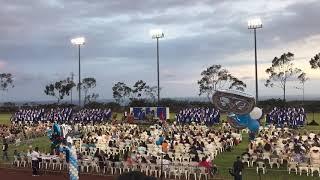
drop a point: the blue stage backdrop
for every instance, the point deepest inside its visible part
(140, 113)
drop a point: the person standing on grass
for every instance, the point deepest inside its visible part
(237, 169)
(5, 148)
(35, 161)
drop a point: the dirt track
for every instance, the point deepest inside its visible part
(24, 174)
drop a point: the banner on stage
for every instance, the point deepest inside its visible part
(140, 113)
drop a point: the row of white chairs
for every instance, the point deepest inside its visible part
(177, 156)
(176, 169)
(168, 171)
(303, 167)
(293, 166)
(54, 164)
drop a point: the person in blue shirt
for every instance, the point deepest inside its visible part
(160, 140)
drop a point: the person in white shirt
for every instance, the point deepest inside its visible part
(35, 161)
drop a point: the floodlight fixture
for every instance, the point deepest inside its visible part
(78, 41)
(254, 23)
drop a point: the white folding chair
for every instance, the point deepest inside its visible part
(117, 167)
(144, 168)
(107, 167)
(303, 167)
(261, 165)
(292, 166)
(245, 159)
(274, 161)
(153, 170)
(16, 161)
(314, 168)
(192, 171)
(203, 173)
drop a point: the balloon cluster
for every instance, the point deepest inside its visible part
(249, 121)
(71, 158)
(55, 136)
(73, 165)
(57, 140)
(240, 107)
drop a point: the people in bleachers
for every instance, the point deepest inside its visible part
(60, 115)
(24, 115)
(289, 117)
(94, 115)
(207, 116)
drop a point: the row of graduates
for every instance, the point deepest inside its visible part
(209, 116)
(292, 117)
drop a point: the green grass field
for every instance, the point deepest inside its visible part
(5, 119)
(43, 143)
(223, 161)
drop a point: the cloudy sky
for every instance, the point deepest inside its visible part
(35, 42)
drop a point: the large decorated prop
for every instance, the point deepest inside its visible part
(60, 143)
(240, 107)
(237, 122)
(233, 101)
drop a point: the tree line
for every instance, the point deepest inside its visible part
(62, 88)
(281, 71)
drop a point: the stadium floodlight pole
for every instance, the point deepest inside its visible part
(157, 34)
(72, 75)
(255, 24)
(78, 42)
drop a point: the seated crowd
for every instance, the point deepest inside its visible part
(286, 117)
(129, 145)
(115, 148)
(15, 132)
(208, 116)
(5, 131)
(187, 145)
(275, 146)
(60, 115)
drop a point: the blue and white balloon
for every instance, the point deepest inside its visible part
(253, 125)
(56, 129)
(256, 113)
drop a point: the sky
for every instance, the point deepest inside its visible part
(35, 42)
